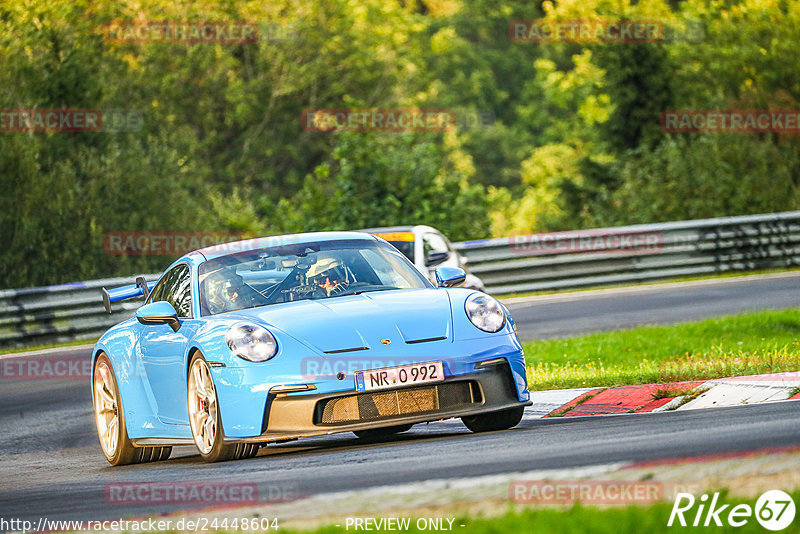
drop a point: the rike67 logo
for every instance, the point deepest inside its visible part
(774, 510)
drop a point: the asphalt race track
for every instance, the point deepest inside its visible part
(51, 464)
(554, 316)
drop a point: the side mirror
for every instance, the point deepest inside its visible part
(435, 258)
(450, 276)
(160, 312)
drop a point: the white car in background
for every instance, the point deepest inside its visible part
(427, 248)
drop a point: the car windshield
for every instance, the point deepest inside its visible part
(402, 241)
(406, 247)
(303, 271)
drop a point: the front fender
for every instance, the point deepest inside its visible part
(120, 345)
(464, 330)
(242, 386)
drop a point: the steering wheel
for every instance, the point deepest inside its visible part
(308, 291)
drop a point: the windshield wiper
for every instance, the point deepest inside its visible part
(371, 290)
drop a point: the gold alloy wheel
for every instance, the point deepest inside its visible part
(202, 406)
(106, 409)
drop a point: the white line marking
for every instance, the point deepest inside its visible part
(46, 351)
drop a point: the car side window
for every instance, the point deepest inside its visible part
(433, 243)
(175, 288)
(447, 243)
(181, 296)
(158, 292)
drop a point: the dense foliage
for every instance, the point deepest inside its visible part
(551, 135)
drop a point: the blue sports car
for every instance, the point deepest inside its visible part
(277, 338)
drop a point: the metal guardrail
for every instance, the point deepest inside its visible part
(506, 265)
(60, 313)
(677, 249)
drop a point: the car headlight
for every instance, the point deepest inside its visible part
(485, 312)
(251, 342)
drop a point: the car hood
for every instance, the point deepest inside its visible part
(353, 322)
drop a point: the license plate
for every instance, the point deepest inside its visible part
(402, 375)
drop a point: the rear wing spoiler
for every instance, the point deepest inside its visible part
(141, 288)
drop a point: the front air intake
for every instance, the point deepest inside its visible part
(378, 405)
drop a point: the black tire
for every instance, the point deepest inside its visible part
(488, 422)
(125, 452)
(153, 454)
(221, 451)
(378, 433)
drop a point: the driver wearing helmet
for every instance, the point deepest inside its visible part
(225, 292)
(329, 275)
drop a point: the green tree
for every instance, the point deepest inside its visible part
(377, 180)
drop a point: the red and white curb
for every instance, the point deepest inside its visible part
(689, 395)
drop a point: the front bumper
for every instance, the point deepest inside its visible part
(288, 416)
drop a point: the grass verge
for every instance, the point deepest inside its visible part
(591, 520)
(671, 392)
(752, 343)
